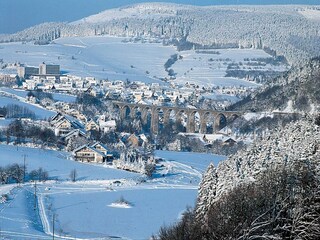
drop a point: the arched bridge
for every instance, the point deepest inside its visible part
(157, 115)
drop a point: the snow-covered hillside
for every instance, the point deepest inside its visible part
(100, 57)
(288, 30)
(115, 58)
(297, 91)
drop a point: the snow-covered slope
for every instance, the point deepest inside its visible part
(113, 58)
(58, 165)
(311, 13)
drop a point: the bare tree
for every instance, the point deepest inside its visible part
(40, 175)
(73, 175)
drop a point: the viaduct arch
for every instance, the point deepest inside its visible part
(196, 119)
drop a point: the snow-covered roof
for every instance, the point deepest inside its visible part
(143, 137)
(100, 144)
(110, 123)
(75, 131)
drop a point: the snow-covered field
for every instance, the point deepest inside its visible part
(111, 58)
(209, 69)
(183, 167)
(90, 214)
(89, 208)
(101, 57)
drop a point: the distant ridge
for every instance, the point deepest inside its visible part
(291, 31)
(144, 10)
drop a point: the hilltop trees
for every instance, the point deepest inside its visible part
(317, 120)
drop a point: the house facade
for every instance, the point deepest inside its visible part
(88, 154)
(63, 127)
(96, 153)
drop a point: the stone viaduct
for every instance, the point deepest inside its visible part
(221, 118)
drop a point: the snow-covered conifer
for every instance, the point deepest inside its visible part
(207, 191)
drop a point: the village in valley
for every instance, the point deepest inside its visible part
(95, 129)
(156, 120)
(131, 127)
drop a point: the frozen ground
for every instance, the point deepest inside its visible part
(89, 214)
(85, 209)
(199, 161)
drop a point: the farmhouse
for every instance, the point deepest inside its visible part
(63, 124)
(54, 119)
(107, 126)
(96, 153)
(63, 127)
(133, 140)
(88, 154)
(75, 134)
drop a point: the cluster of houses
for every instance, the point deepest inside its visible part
(73, 119)
(99, 153)
(76, 136)
(48, 78)
(135, 92)
(239, 91)
(8, 78)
